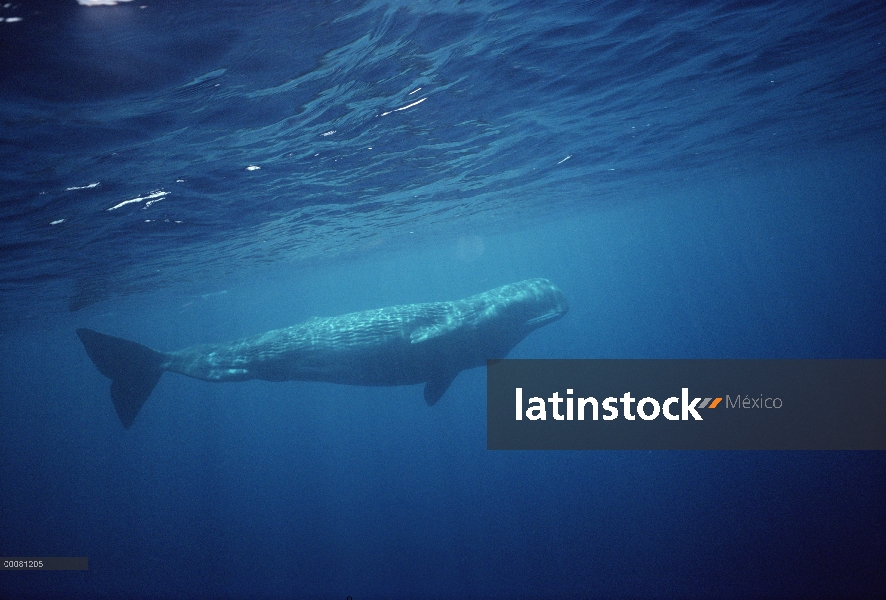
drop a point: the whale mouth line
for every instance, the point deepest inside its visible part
(548, 316)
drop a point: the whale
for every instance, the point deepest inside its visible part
(409, 344)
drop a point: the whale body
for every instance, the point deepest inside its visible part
(426, 343)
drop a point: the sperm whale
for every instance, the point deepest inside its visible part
(428, 343)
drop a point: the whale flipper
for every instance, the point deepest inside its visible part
(133, 369)
(429, 332)
(436, 387)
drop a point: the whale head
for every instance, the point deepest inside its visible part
(529, 304)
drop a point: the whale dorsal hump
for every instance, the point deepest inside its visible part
(437, 386)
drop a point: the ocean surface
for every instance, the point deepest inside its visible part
(701, 179)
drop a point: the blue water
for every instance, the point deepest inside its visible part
(700, 179)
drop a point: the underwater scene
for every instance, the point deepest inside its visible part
(254, 257)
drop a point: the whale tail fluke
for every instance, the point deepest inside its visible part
(133, 369)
